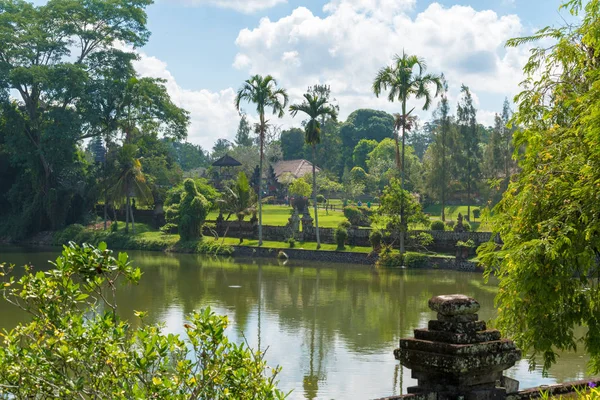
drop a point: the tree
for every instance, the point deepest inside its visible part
(403, 83)
(242, 137)
(361, 152)
(300, 187)
(193, 210)
(129, 182)
(393, 200)
(469, 139)
(263, 92)
(220, 148)
(315, 107)
(292, 142)
(364, 124)
(548, 264)
(380, 163)
(80, 347)
(239, 199)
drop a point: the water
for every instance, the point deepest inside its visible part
(332, 328)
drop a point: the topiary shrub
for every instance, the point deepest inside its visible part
(291, 242)
(437, 226)
(450, 224)
(388, 258)
(345, 224)
(375, 238)
(476, 213)
(168, 228)
(358, 216)
(415, 260)
(321, 199)
(466, 226)
(192, 212)
(341, 235)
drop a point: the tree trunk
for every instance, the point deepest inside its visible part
(260, 180)
(315, 196)
(132, 220)
(402, 174)
(443, 185)
(127, 213)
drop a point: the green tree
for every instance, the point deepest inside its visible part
(129, 182)
(364, 124)
(263, 92)
(239, 199)
(242, 137)
(300, 187)
(292, 142)
(403, 82)
(394, 199)
(193, 210)
(361, 152)
(80, 347)
(315, 107)
(380, 163)
(548, 264)
(220, 148)
(469, 141)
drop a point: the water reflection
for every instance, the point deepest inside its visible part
(331, 328)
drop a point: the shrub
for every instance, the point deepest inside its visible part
(321, 199)
(388, 258)
(476, 213)
(291, 242)
(114, 226)
(169, 228)
(345, 224)
(415, 260)
(375, 238)
(79, 347)
(68, 234)
(341, 235)
(437, 226)
(450, 224)
(358, 216)
(423, 239)
(466, 226)
(300, 188)
(192, 212)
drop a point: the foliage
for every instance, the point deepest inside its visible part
(375, 237)
(292, 142)
(203, 187)
(364, 124)
(345, 224)
(391, 259)
(423, 239)
(361, 152)
(169, 228)
(548, 217)
(469, 243)
(466, 226)
(476, 213)
(392, 199)
(321, 199)
(414, 260)
(192, 212)
(239, 199)
(291, 242)
(450, 225)
(341, 235)
(242, 137)
(358, 216)
(300, 188)
(437, 225)
(79, 347)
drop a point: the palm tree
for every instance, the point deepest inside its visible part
(129, 181)
(315, 106)
(263, 92)
(402, 81)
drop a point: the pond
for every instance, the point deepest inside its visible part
(332, 328)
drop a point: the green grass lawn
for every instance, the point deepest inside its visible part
(299, 245)
(277, 215)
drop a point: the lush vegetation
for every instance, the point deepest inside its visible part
(549, 216)
(79, 347)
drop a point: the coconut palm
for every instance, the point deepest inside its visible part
(406, 78)
(263, 92)
(129, 182)
(315, 107)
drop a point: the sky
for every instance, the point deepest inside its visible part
(205, 49)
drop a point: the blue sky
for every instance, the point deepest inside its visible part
(206, 48)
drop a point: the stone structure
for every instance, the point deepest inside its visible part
(457, 357)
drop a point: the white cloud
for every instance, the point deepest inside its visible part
(245, 6)
(212, 114)
(347, 47)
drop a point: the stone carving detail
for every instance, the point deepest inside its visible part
(457, 356)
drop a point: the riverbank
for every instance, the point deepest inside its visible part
(146, 239)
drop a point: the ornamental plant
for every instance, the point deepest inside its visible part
(193, 210)
(76, 345)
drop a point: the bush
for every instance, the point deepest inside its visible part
(192, 212)
(450, 224)
(68, 234)
(415, 260)
(79, 347)
(341, 235)
(466, 225)
(321, 199)
(114, 226)
(476, 213)
(345, 225)
(169, 228)
(437, 226)
(375, 238)
(358, 216)
(291, 242)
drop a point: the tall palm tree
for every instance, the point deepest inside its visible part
(315, 106)
(263, 92)
(403, 82)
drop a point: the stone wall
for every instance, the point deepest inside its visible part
(443, 241)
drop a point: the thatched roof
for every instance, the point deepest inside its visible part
(226, 161)
(296, 168)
